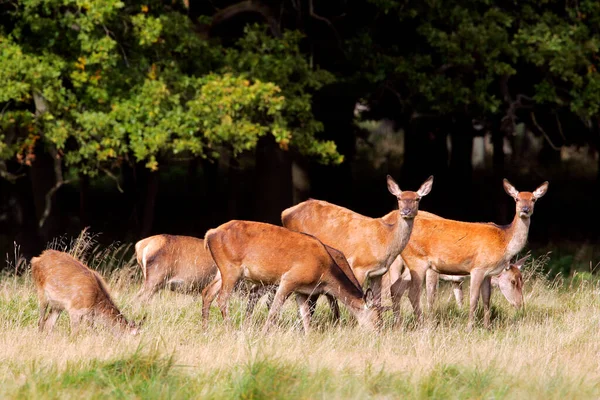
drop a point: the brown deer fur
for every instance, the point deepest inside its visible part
(64, 283)
(509, 281)
(480, 250)
(173, 261)
(369, 244)
(272, 255)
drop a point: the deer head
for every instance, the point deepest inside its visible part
(525, 200)
(408, 202)
(510, 282)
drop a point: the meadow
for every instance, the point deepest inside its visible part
(549, 350)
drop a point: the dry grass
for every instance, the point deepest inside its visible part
(550, 351)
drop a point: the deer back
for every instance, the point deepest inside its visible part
(456, 247)
(69, 285)
(363, 240)
(165, 257)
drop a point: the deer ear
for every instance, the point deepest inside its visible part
(425, 187)
(541, 190)
(510, 189)
(393, 186)
(520, 262)
(369, 298)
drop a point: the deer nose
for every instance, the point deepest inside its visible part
(526, 209)
(405, 212)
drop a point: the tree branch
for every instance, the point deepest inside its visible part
(59, 182)
(312, 13)
(248, 6)
(9, 176)
(543, 132)
(113, 177)
(507, 123)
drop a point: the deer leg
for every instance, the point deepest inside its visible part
(51, 319)
(431, 284)
(149, 289)
(270, 292)
(397, 289)
(414, 292)
(458, 293)
(304, 308)
(43, 309)
(477, 277)
(283, 292)
(486, 291)
(75, 318)
(256, 291)
(208, 295)
(227, 285)
(376, 288)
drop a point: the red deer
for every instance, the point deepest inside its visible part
(173, 261)
(369, 244)
(180, 262)
(509, 281)
(63, 283)
(272, 255)
(480, 250)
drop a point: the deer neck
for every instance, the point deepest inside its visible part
(400, 230)
(517, 235)
(111, 313)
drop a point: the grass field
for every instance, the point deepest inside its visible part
(552, 350)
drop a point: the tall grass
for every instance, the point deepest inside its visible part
(552, 350)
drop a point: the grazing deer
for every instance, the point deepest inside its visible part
(181, 262)
(63, 283)
(369, 244)
(509, 281)
(173, 261)
(480, 250)
(297, 262)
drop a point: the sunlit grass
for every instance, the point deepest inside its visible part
(551, 350)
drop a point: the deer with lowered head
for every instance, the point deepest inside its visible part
(298, 263)
(64, 283)
(369, 244)
(174, 262)
(181, 262)
(509, 281)
(481, 250)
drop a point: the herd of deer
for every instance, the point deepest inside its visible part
(322, 248)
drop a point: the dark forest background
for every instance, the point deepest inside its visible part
(152, 117)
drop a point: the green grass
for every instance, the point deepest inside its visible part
(550, 350)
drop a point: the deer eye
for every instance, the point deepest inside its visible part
(513, 282)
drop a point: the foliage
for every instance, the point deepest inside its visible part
(481, 58)
(104, 83)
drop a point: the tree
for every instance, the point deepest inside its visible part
(100, 84)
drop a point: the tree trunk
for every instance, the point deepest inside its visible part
(334, 105)
(27, 232)
(84, 194)
(461, 169)
(149, 202)
(130, 196)
(213, 210)
(42, 181)
(498, 164)
(300, 182)
(273, 183)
